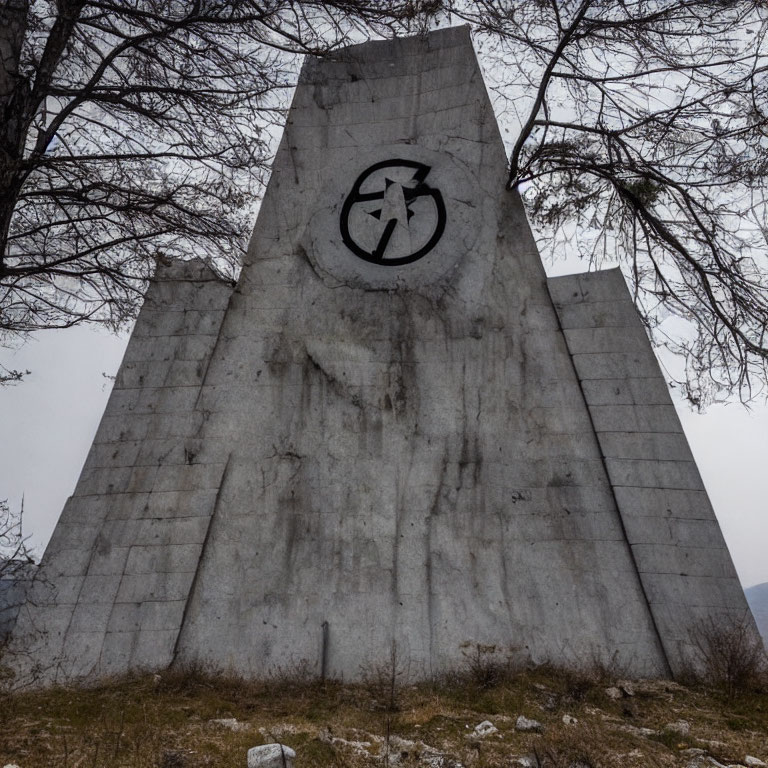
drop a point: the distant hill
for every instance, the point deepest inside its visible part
(757, 597)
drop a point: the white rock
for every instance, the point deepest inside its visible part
(524, 724)
(635, 731)
(403, 750)
(441, 761)
(403, 745)
(713, 743)
(361, 747)
(613, 693)
(753, 762)
(11, 765)
(525, 762)
(271, 756)
(569, 720)
(278, 730)
(486, 728)
(231, 723)
(681, 727)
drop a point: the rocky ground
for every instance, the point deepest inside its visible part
(538, 719)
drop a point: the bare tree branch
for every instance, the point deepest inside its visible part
(138, 128)
(646, 143)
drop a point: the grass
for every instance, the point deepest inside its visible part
(165, 722)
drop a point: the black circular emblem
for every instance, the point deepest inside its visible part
(392, 216)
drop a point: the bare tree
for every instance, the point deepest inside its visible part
(17, 567)
(136, 127)
(14, 552)
(644, 139)
(141, 127)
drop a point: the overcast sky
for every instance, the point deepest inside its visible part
(48, 422)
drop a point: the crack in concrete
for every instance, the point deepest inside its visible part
(200, 560)
(340, 388)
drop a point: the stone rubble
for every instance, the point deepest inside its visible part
(403, 750)
(486, 728)
(636, 731)
(713, 743)
(550, 703)
(231, 724)
(627, 688)
(526, 725)
(706, 761)
(359, 746)
(441, 761)
(680, 727)
(277, 731)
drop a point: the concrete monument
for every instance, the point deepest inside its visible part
(393, 433)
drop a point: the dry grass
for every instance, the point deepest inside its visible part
(146, 722)
(731, 654)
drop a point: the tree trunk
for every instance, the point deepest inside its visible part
(14, 103)
(21, 94)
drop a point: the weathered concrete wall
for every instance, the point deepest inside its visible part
(412, 459)
(117, 572)
(681, 556)
(384, 442)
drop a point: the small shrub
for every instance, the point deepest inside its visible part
(487, 666)
(731, 654)
(297, 676)
(384, 681)
(577, 683)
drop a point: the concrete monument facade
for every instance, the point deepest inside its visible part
(393, 433)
